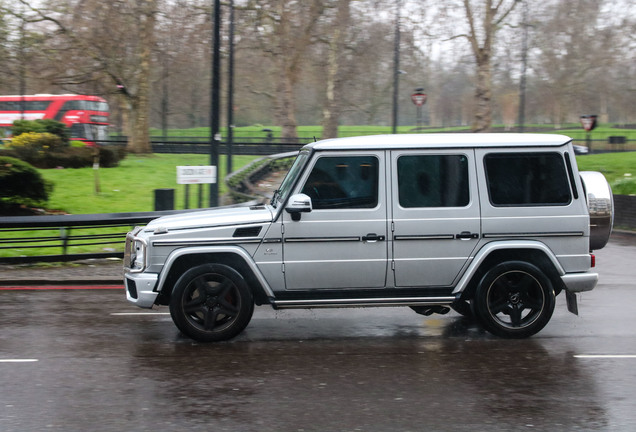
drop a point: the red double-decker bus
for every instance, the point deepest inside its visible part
(85, 116)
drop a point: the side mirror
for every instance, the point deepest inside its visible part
(297, 204)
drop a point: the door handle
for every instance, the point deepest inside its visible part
(372, 237)
(466, 235)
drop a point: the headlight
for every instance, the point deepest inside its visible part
(135, 252)
(139, 255)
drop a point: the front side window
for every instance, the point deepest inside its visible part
(340, 182)
(527, 179)
(433, 181)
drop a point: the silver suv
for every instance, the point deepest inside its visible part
(494, 226)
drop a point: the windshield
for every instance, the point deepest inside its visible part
(290, 178)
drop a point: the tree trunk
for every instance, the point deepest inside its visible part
(286, 104)
(483, 95)
(333, 101)
(491, 18)
(139, 141)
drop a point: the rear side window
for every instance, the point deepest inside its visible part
(433, 181)
(527, 179)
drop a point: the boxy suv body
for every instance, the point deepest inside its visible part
(491, 225)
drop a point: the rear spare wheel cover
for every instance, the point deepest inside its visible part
(600, 204)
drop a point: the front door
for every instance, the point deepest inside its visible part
(341, 243)
(435, 214)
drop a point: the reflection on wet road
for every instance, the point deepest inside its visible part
(86, 360)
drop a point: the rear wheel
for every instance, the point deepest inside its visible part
(211, 302)
(514, 299)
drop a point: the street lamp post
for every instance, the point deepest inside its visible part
(214, 99)
(230, 92)
(396, 69)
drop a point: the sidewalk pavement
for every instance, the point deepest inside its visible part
(84, 272)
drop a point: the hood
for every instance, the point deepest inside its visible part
(213, 217)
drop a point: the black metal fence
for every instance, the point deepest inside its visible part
(261, 146)
(59, 233)
(198, 145)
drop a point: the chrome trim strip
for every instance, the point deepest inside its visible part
(321, 239)
(188, 243)
(425, 237)
(273, 240)
(362, 302)
(537, 234)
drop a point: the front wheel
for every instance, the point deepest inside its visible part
(514, 299)
(211, 302)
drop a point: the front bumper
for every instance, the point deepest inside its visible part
(579, 282)
(140, 288)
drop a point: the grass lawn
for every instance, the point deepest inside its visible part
(618, 168)
(126, 188)
(129, 187)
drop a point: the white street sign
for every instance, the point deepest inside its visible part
(196, 174)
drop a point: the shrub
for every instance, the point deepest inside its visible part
(22, 185)
(41, 126)
(38, 141)
(45, 150)
(109, 157)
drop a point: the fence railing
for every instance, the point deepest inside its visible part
(62, 232)
(197, 145)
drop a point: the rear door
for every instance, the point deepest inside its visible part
(435, 215)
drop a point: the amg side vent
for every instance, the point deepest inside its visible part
(247, 232)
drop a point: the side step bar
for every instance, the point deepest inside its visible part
(361, 302)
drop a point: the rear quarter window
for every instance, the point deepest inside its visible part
(527, 179)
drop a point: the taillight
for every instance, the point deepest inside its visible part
(593, 260)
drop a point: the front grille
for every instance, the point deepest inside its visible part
(131, 286)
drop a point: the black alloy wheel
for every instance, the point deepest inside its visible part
(514, 299)
(211, 302)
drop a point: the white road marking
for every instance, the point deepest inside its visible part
(605, 356)
(18, 360)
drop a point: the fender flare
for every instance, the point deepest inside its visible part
(236, 250)
(489, 248)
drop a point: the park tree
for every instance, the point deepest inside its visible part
(484, 18)
(88, 48)
(336, 43)
(287, 30)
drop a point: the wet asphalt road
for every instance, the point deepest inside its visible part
(85, 360)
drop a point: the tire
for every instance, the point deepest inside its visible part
(514, 299)
(211, 302)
